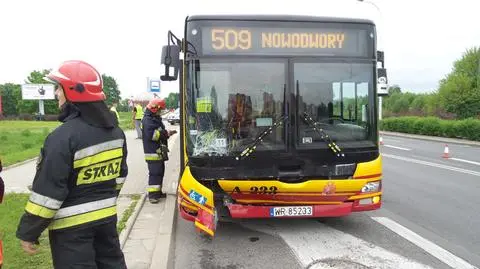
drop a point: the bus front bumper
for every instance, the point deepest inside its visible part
(250, 211)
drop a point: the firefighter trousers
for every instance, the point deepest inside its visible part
(156, 171)
(95, 247)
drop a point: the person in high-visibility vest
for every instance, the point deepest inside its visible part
(137, 119)
(79, 175)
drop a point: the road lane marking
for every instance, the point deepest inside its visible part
(465, 161)
(395, 147)
(451, 168)
(389, 138)
(430, 247)
(316, 245)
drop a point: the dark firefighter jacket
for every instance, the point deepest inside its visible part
(80, 172)
(154, 137)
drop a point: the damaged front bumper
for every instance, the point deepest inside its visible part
(198, 204)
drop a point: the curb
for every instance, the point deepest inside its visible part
(131, 220)
(18, 164)
(433, 138)
(162, 256)
(171, 244)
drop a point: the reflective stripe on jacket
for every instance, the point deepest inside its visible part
(80, 172)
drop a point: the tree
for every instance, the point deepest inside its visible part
(459, 91)
(172, 100)
(110, 87)
(394, 89)
(11, 95)
(36, 77)
(123, 106)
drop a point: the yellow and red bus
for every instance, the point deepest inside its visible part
(278, 117)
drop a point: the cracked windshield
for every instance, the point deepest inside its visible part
(253, 134)
(231, 103)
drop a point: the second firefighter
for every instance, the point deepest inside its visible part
(155, 146)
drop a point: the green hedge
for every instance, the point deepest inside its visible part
(465, 129)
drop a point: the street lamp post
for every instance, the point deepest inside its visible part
(380, 103)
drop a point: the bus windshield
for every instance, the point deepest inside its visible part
(230, 102)
(336, 97)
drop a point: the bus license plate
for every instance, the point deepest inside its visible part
(291, 211)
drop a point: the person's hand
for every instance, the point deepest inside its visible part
(171, 132)
(28, 247)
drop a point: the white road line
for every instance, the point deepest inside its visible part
(319, 246)
(395, 147)
(465, 161)
(430, 247)
(390, 139)
(451, 168)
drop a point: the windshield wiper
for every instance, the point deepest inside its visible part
(325, 137)
(246, 152)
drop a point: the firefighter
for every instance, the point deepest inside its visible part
(155, 147)
(79, 174)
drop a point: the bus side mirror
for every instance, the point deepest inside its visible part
(170, 58)
(382, 82)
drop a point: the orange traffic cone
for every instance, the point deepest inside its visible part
(446, 153)
(381, 140)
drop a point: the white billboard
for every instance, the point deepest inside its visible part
(38, 92)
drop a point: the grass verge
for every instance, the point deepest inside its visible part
(128, 212)
(22, 140)
(125, 121)
(11, 210)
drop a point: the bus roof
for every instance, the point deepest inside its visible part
(292, 18)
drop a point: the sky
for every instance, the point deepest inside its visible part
(124, 38)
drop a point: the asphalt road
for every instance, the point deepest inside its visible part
(432, 197)
(435, 196)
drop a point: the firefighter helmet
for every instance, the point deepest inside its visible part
(80, 81)
(155, 104)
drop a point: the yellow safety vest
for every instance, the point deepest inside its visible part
(116, 113)
(139, 114)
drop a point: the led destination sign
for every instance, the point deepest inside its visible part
(281, 41)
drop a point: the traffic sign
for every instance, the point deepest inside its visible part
(154, 85)
(382, 86)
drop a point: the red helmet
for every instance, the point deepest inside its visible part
(156, 104)
(80, 81)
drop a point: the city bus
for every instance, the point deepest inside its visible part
(278, 117)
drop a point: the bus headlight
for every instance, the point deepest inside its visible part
(371, 187)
